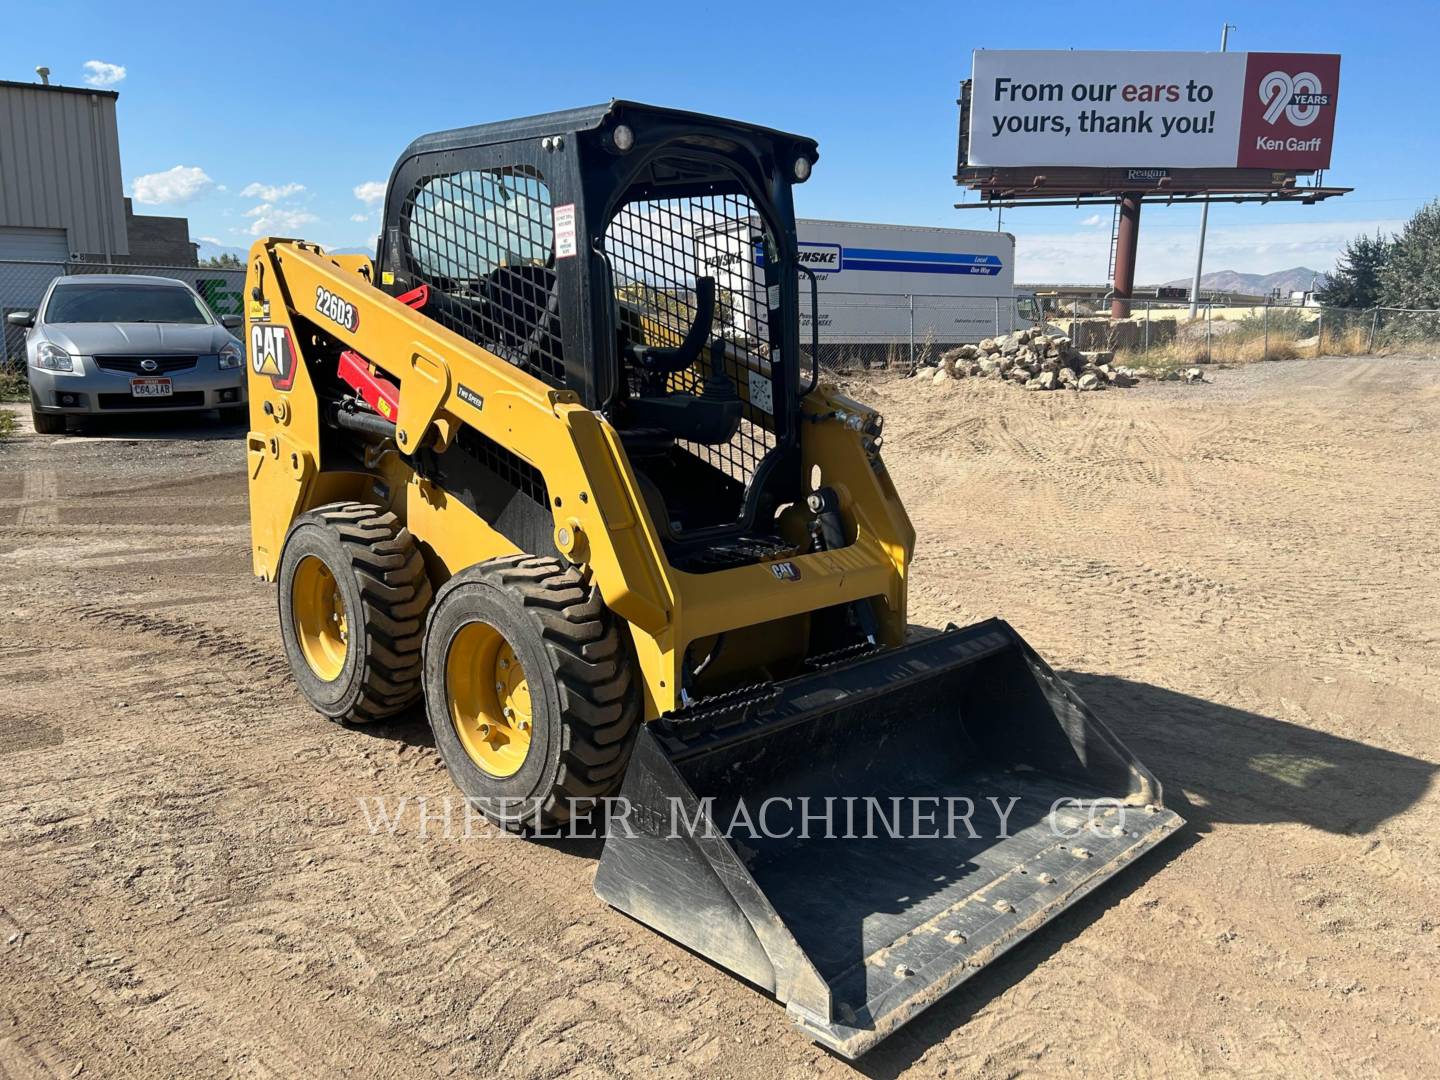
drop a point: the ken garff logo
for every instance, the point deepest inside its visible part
(1300, 97)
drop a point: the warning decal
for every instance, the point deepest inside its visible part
(565, 231)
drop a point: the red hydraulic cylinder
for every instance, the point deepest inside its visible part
(379, 393)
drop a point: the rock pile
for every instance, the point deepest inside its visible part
(1034, 360)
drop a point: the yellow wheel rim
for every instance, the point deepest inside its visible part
(489, 699)
(319, 613)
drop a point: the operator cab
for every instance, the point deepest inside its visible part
(645, 259)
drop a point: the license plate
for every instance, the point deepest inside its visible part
(149, 387)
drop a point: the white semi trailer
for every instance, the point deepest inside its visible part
(880, 284)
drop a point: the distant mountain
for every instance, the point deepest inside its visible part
(1296, 279)
(207, 250)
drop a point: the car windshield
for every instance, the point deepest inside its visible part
(123, 303)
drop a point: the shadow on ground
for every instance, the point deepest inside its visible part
(1238, 767)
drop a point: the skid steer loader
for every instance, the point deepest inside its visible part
(559, 462)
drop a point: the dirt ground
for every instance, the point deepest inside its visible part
(1240, 577)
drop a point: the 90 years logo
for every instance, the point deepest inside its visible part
(1298, 97)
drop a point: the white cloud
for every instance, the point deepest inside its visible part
(1093, 219)
(209, 240)
(99, 73)
(359, 217)
(274, 220)
(270, 192)
(176, 185)
(370, 192)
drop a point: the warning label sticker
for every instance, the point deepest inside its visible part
(762, 392)
(565, 231)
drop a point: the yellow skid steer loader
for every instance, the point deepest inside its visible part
(558, 461)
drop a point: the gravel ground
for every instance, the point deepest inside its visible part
(1238, 576)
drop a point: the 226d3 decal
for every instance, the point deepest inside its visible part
(272, 355)
(341, 312)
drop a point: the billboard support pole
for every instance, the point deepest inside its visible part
(1204, 213)
(1199, 261)
(1126, 242)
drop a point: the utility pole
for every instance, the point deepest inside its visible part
(1205, 212)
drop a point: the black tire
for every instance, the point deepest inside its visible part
(380, 574)
(584, 697)
(46, 423)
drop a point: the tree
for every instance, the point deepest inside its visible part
(227, 260)
(1356, 282)
(1411, 276)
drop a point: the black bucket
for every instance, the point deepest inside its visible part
(861, 840)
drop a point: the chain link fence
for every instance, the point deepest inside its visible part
(23, 285)
(1161, 333)
(859, 331)
(906, 331)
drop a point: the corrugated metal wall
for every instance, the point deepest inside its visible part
(60, 166)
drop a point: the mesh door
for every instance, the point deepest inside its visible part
(484, 240)
(657, 248)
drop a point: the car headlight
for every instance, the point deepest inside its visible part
(231, 356)
(53, 358)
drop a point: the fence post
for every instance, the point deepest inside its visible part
(1265, 348)
(1320, 334)
(1374, 325)
(1209, 356)
(1147, 328)
(910, 298)
(997, 316)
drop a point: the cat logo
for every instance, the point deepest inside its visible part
(271, 354)
(785, 571)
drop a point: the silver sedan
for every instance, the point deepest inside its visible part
(103, 344)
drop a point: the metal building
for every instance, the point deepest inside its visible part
(60, 188)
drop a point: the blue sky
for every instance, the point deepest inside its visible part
(268, 117)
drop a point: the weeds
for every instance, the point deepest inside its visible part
(14, 386)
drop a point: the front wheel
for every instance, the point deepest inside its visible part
(529, 691)
(353, 596)
(46, 423)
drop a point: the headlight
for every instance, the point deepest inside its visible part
(231, 356)
(53, 358)
(802, 169)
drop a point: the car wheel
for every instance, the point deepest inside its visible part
(46, 423)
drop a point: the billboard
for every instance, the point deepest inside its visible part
(1152, 109)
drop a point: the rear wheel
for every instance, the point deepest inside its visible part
(529, 691)
(353, 596)
(46, 423)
